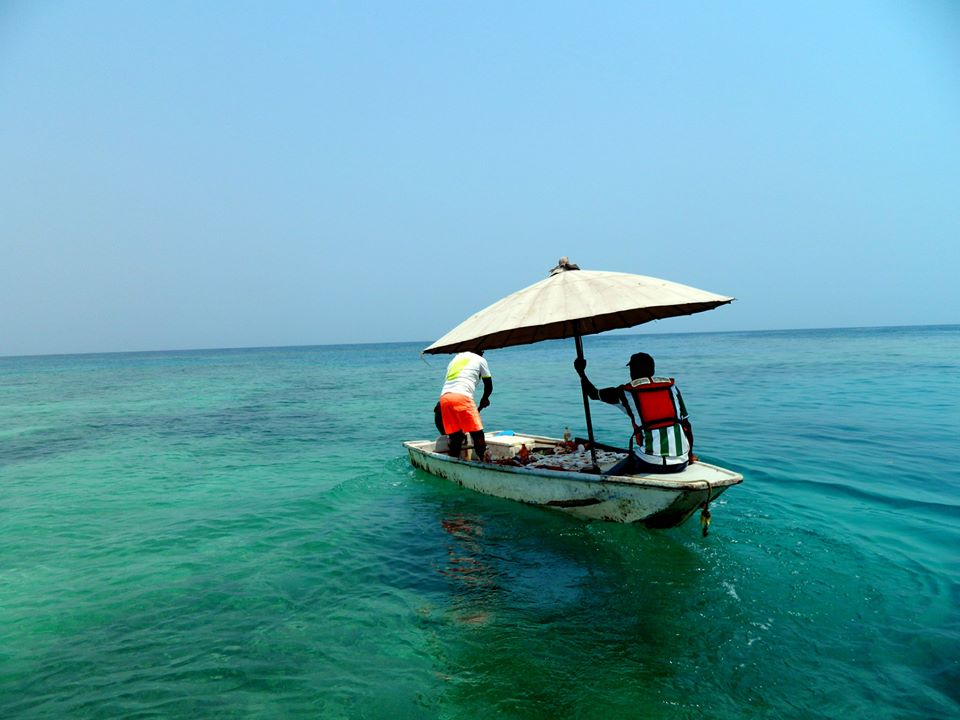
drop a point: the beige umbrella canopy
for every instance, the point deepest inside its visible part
(573, 303)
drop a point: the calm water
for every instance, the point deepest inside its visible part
(239, 534)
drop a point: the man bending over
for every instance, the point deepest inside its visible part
(459, 412)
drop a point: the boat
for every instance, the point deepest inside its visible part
(582, 477)
(567, 481)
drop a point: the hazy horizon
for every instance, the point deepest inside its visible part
(629, 332)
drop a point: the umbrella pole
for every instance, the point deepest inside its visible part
(586, 405)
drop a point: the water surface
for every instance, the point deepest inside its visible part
(239, 534)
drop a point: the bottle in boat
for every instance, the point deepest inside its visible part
(523, 455)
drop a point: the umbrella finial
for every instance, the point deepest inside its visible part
(564, 264)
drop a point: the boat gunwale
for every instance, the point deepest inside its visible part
(648, 481)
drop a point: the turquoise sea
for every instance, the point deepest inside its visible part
(239, 534)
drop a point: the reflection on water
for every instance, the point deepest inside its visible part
(473, 579)
(542, 605)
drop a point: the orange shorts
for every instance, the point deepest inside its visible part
(459, 414)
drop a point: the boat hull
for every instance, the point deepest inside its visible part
(657, 501)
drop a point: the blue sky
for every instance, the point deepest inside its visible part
(231, 174)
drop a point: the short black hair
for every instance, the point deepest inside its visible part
(641, 365)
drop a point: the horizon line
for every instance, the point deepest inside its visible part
(410, 342)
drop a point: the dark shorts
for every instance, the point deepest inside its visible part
(642, 466)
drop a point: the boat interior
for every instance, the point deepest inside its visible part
(506, 447)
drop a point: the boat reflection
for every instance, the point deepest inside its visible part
(473, 579)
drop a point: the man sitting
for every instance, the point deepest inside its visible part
(661, 429)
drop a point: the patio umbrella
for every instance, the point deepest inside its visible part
(573, 303)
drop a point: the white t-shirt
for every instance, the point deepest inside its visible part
(463, 374)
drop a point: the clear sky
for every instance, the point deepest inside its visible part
(229, 174)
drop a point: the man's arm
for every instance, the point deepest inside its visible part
(685, 422)
(487, 392)
(688, 431)
(580, 365)
(610, 395)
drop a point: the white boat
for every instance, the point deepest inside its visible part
(573, 303)
(568, 482)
